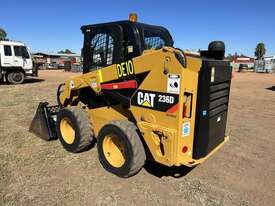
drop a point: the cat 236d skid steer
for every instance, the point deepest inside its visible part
(139, 99)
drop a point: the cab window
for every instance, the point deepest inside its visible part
(25, 52)
(17, 51)
(7, 50)
(102, 47)
(21, 51)
(153, 40)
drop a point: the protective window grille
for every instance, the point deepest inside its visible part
(103, 47)
(154, 42)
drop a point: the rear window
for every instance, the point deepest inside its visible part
(7, 51)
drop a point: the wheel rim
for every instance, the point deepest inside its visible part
(114, 150)
(17, 77)
(67, 131)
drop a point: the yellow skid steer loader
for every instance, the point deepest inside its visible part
(140, 99)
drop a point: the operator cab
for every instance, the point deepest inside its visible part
(111, 43)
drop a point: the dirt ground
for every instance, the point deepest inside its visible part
(35, 172)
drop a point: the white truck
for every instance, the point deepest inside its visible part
(15, 62)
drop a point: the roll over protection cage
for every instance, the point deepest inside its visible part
(125, 33)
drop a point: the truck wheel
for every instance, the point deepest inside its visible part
(120, 149)
(74, 129)
(16, 77)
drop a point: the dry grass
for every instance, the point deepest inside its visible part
(35, 172)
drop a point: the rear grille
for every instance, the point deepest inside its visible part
(219, 96)
(220, 86)
(212, 106)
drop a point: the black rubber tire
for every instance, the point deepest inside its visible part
(82, 126)
(134, 151)
(59, 91)
(16, 77)
(216, 50)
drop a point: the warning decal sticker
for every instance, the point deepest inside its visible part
(173, 83)
(186, 129)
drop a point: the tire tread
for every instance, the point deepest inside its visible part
(85, 128)
(139, 156)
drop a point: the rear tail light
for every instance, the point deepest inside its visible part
(184, 149)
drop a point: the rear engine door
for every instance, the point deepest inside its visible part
(212, 106)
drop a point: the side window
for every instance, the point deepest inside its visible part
(154, 39)
(17, 51)
(7, 50)
(102, 47)
(25, 53)
(21, 51)
(154, 42)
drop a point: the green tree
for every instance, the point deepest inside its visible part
(3, 34)
(260, 50)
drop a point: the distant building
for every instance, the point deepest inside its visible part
(270, 58)
(237, 60)
(55, 60)
(266, 65)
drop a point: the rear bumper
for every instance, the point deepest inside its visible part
(199, 161)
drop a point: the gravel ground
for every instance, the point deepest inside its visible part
(35, 172)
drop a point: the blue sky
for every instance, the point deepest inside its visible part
(54, 25)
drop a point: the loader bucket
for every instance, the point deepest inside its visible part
(43, 124)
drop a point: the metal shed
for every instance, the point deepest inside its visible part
(266, 65)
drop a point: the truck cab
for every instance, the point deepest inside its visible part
(15, 62)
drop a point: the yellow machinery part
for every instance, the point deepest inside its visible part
(161, 131)
(114, 150)
(67, 131)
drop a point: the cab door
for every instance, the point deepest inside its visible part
(18, 61)
(102, 46)
(22, 57)
(7, 57)
(27, 60)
